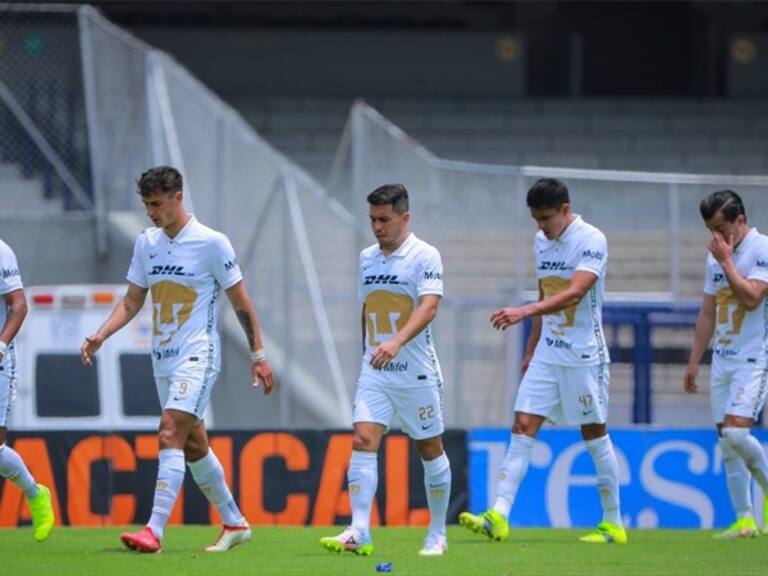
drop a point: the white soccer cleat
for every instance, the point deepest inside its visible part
(434, 545)
(230, 537)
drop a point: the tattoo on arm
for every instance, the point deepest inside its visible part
(245, 322)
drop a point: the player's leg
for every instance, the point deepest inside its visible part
(537, 399)
(208, 474)
(12, 468)
(176, 423)
(584, 391)
(372, 414)
(747, 397)
(420, 409)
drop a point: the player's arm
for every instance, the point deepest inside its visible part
(533, 338)
(420, 319)
(125, 310)
(362, 322)
(246, 315)
(16, 306)
(749, 292)
(702, 336)
(580, 283)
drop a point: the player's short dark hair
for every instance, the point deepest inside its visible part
(159, 179)
(725, 201)
(394, 194)
(547, 193)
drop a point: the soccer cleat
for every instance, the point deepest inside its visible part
(606, 533)
(230, 537)
(742, 528)
(490, 523)
(43, 518)
(765, 515)
(143, 541)
(350, 541)
(434, 545)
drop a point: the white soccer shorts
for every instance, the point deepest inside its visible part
(7, 397)
(419, 408)
(737, 388)
(565, 394)
(188, 389)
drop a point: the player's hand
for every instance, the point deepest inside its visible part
(689, 380)
(525, 363)
(384, 354)
(89, 348)
(262, 373)
(506, 317)
(721, 247)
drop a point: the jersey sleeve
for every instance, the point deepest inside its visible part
(10, 276)
(360, 293)
(709, 282)
(137, 272)
(594, 255)
(224, 264)
(430, 274)
(759, 269)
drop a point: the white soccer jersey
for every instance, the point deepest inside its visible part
(390, 287)
(184, 275)
(10, 280)
(740, 334)
(574, 336)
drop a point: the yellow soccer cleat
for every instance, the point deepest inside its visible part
(765, 515)
(43, 518)
(348, 541)
(606, 533)
(490, 523)
(742, 528)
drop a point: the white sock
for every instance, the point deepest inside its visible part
(362, 481)
(437, 482)
(13, 468)
(738, 480)
(209, 476)
(512, 472)
(607, 468)
(750, 450)
(170, 476)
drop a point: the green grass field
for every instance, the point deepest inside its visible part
(285, 551)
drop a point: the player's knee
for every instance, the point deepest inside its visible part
(593, 431)
(429, 449)
(168, 437)
(524, 427)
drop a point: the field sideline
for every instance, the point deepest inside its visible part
(286, 551)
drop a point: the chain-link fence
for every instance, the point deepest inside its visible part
(476, 215)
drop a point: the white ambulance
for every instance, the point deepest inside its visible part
(56, 391)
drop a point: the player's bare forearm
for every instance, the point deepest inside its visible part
(419, 320)
(125, 311)
(16, 306)
(246, 315)
(749, 292)
(705, 328)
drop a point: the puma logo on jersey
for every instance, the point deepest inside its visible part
(382, 279)
(717, 277)
(553, 266)
(169, 271)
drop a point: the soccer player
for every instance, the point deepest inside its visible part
(735, 311)
(185, 265)
(12, 467)
(565, 365)
(400, 285)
